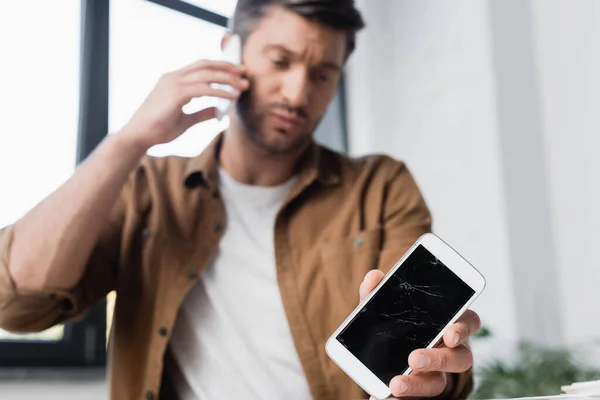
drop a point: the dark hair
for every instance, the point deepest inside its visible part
(337, 14)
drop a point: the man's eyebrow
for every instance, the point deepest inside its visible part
(281, 48)
(331, 65)
(325, 64)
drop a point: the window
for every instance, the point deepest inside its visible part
(40, 87)
(39, 99)
(40, 80)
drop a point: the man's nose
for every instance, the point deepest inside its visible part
(295, 88)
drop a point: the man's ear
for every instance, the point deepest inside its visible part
(225, 39)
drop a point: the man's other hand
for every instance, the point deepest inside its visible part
(432, 366)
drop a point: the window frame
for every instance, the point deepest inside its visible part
(84, 341)
(193, 11)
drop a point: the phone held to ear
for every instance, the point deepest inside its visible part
(411, 308)
(232, 52)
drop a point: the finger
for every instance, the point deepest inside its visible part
(372, 279)
(422, 385)
(468, 324)
(201, 90)
(212, 64)
(442, 359)
(201, 116)
(223, 77)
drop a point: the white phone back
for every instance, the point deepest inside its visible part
(231, 53)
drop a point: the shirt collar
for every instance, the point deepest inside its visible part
(314, 165)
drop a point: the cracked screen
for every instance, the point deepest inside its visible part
(406, 314)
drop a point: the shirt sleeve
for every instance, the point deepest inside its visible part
(405, 218)
(34, 311)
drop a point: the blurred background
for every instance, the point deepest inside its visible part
(493, 104)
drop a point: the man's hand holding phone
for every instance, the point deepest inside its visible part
(432, 366)
(161, 119)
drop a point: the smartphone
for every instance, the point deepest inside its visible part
(232, 52)
(424, 293)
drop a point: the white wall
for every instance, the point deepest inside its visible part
(422, 89)
(567, 34)
(492, 104)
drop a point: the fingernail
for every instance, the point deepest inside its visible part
(422, 361)
(456, 339)
(403, 387)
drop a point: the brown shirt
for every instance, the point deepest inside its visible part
(343, 218)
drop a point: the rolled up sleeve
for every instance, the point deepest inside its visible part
(33, 311)
(26, 311)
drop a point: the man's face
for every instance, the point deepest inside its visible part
(294, 67)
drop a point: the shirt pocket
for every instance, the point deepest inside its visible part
(345, 261)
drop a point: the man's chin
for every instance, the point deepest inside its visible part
(281, 145)
(271, 139)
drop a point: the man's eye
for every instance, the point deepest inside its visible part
(280, 63)
(321, 77)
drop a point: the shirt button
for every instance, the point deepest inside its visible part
(358, 241)
(163, 331)
(66, 305)
(147, 233)
(191, 273)
(217, 226)
(149, 395)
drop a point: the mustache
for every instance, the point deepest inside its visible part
(297, 111)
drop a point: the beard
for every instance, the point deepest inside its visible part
(253, 123)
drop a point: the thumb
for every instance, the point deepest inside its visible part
(372, 279)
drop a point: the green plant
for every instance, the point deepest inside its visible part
(484, 332)
(535, 371)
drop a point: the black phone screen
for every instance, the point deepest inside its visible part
(406, 314)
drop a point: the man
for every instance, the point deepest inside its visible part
(232, 268)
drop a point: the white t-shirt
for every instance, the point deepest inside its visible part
(232, 339)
